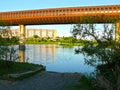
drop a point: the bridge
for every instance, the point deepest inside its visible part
(66, 15)
(59, 15)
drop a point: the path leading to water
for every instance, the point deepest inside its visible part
(43, 81)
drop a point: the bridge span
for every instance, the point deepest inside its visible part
(66, 15)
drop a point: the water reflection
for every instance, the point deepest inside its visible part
(55, 58)
(41, 54)
(21, 55)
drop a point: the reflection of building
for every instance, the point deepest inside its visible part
(39, 32)
(38, 54)
(41, 54)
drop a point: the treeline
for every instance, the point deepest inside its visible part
(9, 41)
(57, 40)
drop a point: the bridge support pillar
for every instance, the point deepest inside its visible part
(117, 31)
(22, 37)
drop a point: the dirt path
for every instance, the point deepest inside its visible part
(43, 81)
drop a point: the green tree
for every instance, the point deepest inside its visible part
(7, 51)
(104, 55)
(36, 36)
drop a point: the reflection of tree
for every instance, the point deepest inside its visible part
(103, 51)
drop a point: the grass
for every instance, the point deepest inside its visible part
(85, 83)
(17, 67)
(65, 43)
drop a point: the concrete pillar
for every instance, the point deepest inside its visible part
(22, 37)
(117, 31)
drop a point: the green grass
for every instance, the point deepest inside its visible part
(65, 44)
(85, 83)
(17, 67)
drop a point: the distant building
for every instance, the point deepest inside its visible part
(42, 33)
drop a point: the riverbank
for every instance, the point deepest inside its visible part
(57, 43)
(16, 70)
(44, 81)
(35, 78)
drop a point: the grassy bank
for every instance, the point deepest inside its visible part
(58, 43)
(17, 68)
(63, 40)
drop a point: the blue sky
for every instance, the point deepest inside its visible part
(63, 30)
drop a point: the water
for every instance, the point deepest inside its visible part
(55, 58)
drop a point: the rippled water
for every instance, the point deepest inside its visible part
(55, 58)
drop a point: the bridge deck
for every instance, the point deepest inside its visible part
(69, 15)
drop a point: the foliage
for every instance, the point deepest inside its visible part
(104, 55)
(85, 83)
(36, 36)
(7, 51)
(17, 67)
(103, 50)
(64, 40)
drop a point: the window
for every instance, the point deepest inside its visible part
(94, 8)
(102, 9)
(98, 9)
(86, 9)
(90, 9)
(52, 12)
(56, 12)
(82, 9)
(60, 12)
(41, 13)
(67, 11)
(78, 11)
(118, 8)
(110, 9)
(106, 9)
(71, 11)
(46, 13)
(35, 13)
(74, 11)
(16, 14)
(114, 8)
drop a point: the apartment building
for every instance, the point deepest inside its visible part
(42, 33)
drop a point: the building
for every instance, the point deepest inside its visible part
(30, 32)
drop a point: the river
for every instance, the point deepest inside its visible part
(55, 57)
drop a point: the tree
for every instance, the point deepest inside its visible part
(36, 36)
(104, 55)
(7, 51)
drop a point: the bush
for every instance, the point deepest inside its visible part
(8, 54)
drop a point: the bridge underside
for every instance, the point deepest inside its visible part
(62, 20)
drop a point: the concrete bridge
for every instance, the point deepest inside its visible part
(66, 15)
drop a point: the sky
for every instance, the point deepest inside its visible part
(63, 30)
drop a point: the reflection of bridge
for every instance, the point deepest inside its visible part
(60, 16)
